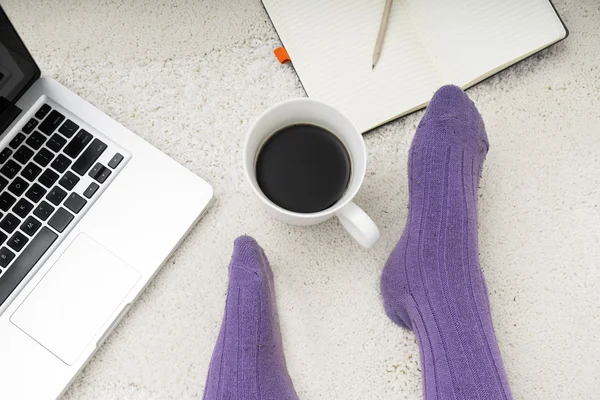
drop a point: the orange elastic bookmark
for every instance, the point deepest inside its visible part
(282, 55)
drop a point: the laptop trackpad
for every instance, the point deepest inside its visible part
(79, 296)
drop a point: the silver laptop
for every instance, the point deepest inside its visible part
(89, 212)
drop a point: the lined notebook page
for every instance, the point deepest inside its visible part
(470, 39)
(428, 43)
(331, 45)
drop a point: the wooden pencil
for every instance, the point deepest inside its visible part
(382, 28)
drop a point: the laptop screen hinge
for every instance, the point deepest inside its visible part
(8, 116)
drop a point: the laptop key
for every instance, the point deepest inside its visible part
(30, 226)
(61, 219)
(10, 223)
(30, 126)
(35, 193)
(6, 201)
(10, 169)
(43, 157)
(43, 111)
(17, 140)
(75, 202)
(36, 140)
(96, 170)
(115, 161)
(43, 211)
(17, 241)
(3, 183)
(100, 173)
(31, 171)
(56, 195)
(103, 175)
(61, 163)
(91, 190)
(18, 186)
(69, 180)
(6, 255)
(51, 122)
(69, 128)
(22, 208)
(56, 142)
(78, 143)
(89, 157)
(25, 262)
(24, 154)
(4, 154)
(48, 178)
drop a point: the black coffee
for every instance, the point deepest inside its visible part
(303, 168)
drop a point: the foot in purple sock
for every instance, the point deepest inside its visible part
(432, 282)
(248, 361)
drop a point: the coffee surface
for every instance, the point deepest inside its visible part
(303, 168)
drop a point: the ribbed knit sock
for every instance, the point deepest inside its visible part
(248, 361)
(432, 282)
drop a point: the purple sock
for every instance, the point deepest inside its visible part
(248, 361)
(432, 282)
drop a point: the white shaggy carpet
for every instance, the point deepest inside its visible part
(190, 76)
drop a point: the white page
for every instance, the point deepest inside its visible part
(469, 39)
(331, 45)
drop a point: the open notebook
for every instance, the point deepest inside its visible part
(428, 43)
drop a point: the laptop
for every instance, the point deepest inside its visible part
(89, 212)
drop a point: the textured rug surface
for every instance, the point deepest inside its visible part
(190, 76)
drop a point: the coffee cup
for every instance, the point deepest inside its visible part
(294, 166)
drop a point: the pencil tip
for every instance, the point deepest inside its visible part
(372, 67)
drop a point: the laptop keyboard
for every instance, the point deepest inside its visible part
(39, 171)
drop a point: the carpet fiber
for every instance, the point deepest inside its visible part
(190, 78)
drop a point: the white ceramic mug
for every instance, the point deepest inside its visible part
(307, 111)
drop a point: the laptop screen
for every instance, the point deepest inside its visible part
(18, 71)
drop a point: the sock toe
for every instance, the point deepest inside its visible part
(248, 262)
(452, 117)
(450, 101)
(246, 250)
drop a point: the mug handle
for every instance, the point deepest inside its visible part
(359, 225)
